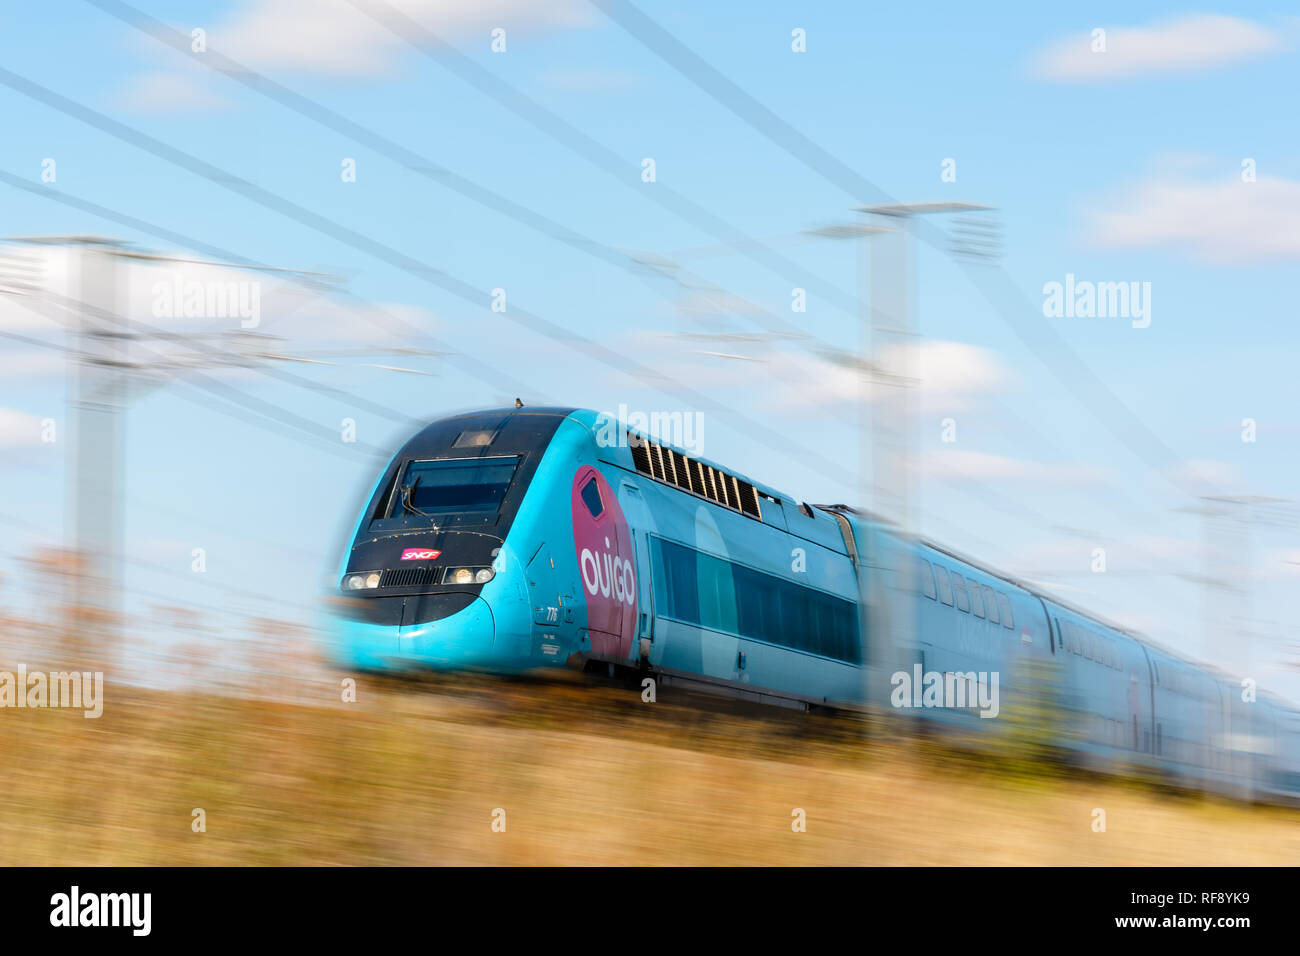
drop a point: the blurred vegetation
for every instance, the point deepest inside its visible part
(586, 772)
(254, 732)
(1035, 721)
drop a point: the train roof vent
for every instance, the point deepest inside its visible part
(672, 467)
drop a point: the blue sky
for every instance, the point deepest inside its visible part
(1113, 166)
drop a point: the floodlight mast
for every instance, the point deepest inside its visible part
(889, 471)
(100, 384)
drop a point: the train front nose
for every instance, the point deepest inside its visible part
(451, 629)
(452, 633)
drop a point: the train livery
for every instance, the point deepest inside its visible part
(521, 538)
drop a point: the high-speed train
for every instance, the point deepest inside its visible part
(521, 538)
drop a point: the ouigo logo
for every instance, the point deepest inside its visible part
(420, 554)
(607, 563)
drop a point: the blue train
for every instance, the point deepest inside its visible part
(531, 537)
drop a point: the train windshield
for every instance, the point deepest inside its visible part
(455, 486)
(445, 488)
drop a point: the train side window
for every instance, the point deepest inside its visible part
(1072, 633)
(1004, 608)
(991, 604)
(945, 584)
(717, 589)
(677, 589)
(591, 498)
(959, 592)
(976, 600)
(1087, 645)
(926, 574)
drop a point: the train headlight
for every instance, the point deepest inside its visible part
(361, 581)
(468, 576)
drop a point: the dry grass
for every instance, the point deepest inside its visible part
(587, 774)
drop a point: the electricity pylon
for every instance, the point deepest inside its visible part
(108, 368)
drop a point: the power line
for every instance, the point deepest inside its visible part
(385, 253)
(323, 437)
(993, 283)
(368, 311)
(398, 153)
(432, 46)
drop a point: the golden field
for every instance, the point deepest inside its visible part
(586, 773)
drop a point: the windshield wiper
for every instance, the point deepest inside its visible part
(408, 492)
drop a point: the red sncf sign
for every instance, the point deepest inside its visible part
(420, 554)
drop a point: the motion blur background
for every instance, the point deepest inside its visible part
(384, 175)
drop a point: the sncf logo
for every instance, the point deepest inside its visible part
(419, 554)
(608, 575)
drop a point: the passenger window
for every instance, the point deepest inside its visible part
(1004, 607)
(1072, 633)
(991, 605)
(591, 498)
(959, 592)
(926, 574)
(945, 584)
(976, 600)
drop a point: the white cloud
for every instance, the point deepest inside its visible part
(333, 36)
(166, 92)
(1193, 42)
(18, 429)
(1223, 221)
(949, 375)
(292, 320)
(1284, 563)
(1207, 474)
(956, 463)
(25, 363)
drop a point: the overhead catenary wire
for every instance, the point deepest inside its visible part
(418, 269)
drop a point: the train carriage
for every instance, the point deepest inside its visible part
(522, 538)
